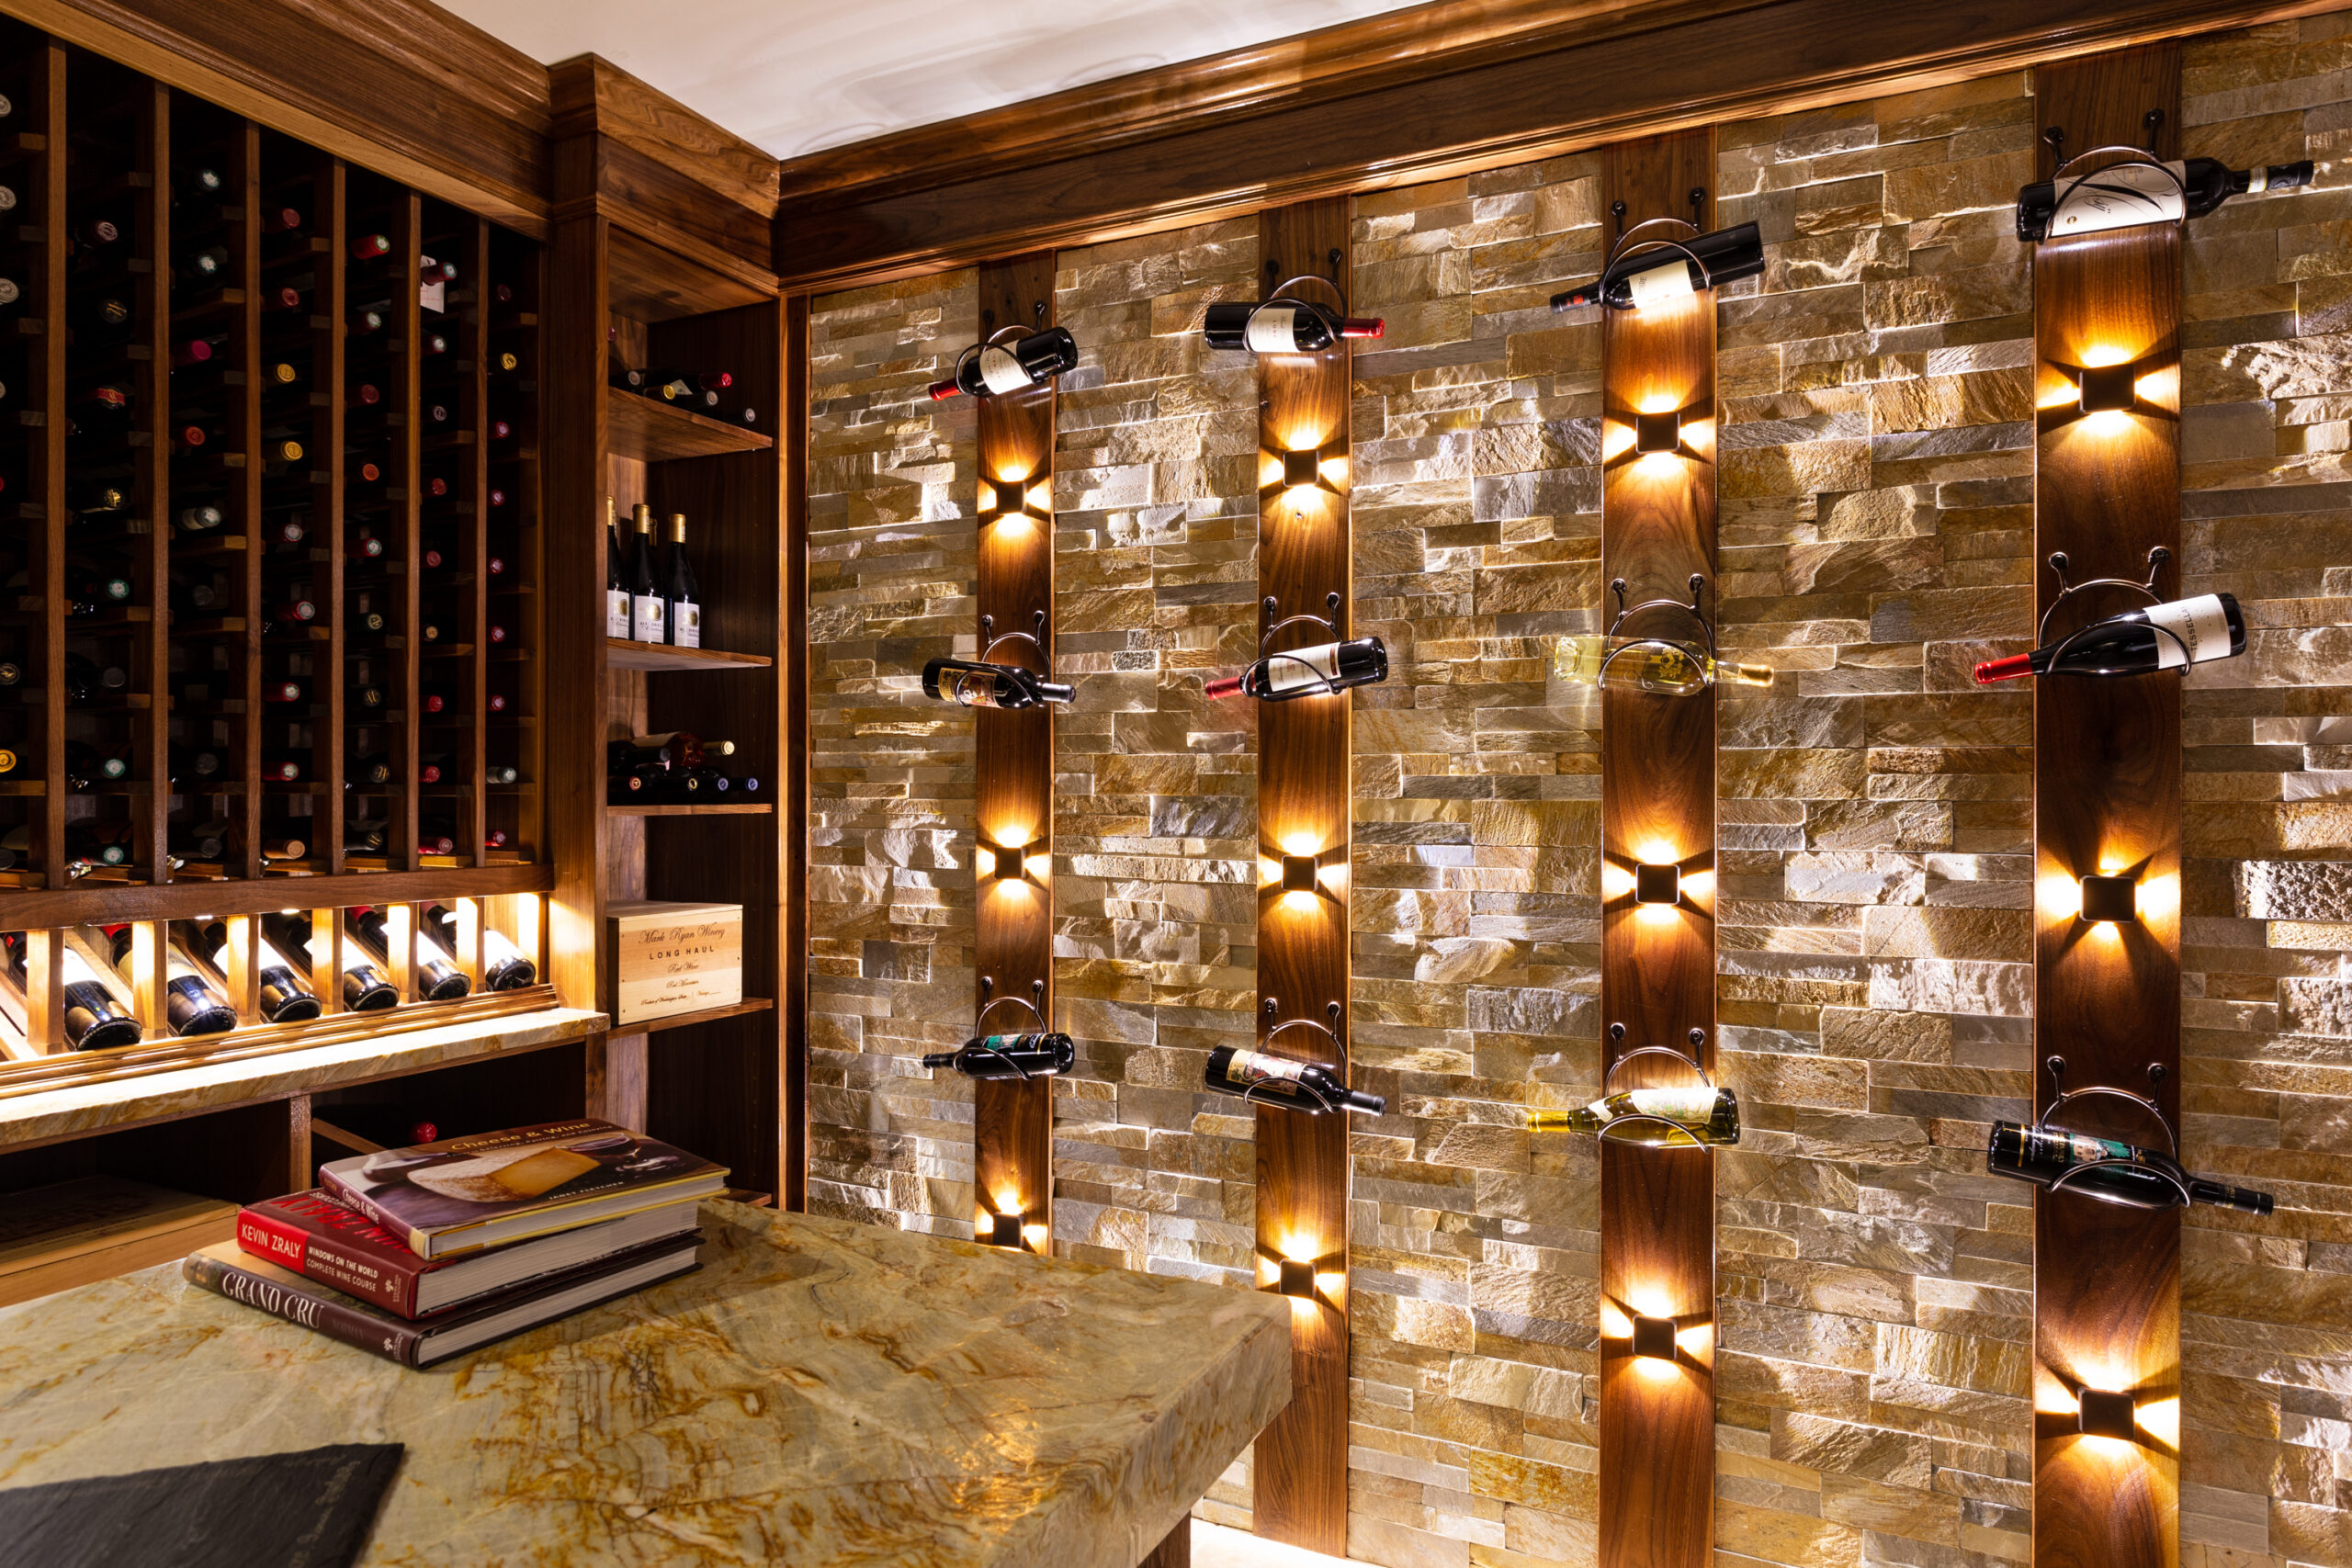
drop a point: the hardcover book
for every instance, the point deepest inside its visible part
(463, 1194)
(229, 1270)
(312, 1234)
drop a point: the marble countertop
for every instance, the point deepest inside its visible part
(818, 1393)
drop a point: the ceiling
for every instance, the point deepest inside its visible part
(797, 75)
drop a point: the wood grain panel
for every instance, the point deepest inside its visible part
(793, 766)
(2107, 799)
(1301, 1492)
(1657, 964)
(1014, 758)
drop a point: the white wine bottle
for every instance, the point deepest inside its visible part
(1675, 670)
(1660, 1118)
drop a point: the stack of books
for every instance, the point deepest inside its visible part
(422, 1253)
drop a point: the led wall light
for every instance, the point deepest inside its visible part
(1654, 1338)
(1658, 884)
(2108, 389)
(1297, 1279)
(1657, 432)
(996, 1230)
(2110, 898)
(2107, 1415)
(1298, 873)
(1302, 469)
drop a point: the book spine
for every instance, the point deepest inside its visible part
(304, 1309)
(319, 1257)
(418, 1241)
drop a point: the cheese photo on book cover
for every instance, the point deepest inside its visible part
(462, 1194)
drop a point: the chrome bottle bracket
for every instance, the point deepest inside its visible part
(1325, 686)
(994, 639)
(1330, 1032)
(1625, 247)
(2065, 1097)
(2158, 555)
(1028, 1004)
(2152, 121)
(1697, 1038)
(1617, 585)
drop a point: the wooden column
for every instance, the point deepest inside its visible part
(1302, 810)
(1657, 962)
(2108, 801)
(1013, 1120)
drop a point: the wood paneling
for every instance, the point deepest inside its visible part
(588, 92)
(1657, 962)
(1014, 758)
(2107, 799)
(793, 768)
(1304, 564)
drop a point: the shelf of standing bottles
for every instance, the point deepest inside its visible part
(655, 432)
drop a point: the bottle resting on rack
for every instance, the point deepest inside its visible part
(1008, 1057)
(2124, 195)
(2162, 637)
(1664, 274)
(994, 368)
(1678, 670)
(192, 1003)
(976, 684)
(96, 1018)
(504, 967)
(1307, 671)
(366, 986)
(2045, 1155)
(1282, 326)
(285, 988)
(438, 978)
(1280, 1081)
(1660, 1118)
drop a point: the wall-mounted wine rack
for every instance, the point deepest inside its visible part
(1013, 1118)
(2107, 804)
(1657, 814)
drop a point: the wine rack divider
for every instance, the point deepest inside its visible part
(2108, 795)
(1305, 565)
(1013, 763)
(1657, 964)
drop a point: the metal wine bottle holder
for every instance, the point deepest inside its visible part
(2157, 557)
(1016, 331)
(1697, 1037)
(2045, 1122)
(1617, 585)
(2144, 157)
(1626, 248)
(1330, 1032)
(1325, 686)
(1028, 1004)
(1044, 671)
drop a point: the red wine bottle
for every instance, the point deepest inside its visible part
(192, 1003)
(1011, 367)
(1301, 1086)
(1663, 276)
(2138, 1178)
(2162, 637)
(1282, 326)
(974, 685)
(96, 1018)
(1307, 671)
(2124, 195)
(1007, 1056)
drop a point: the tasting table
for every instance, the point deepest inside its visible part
(819, 1393)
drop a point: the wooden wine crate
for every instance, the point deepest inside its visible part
(78, 1232)
(666, 958)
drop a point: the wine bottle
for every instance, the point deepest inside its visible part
(86, 681)
(644, 590)
(85, 765)
(2162, 637)
(501, 773)
(1658, 1118)
(388, 1126)
(366, 986)
(618, 622)
(97, 1019)
(285, 988)
(1682, 669)
(1279, 1081)
(2124, 195)
(2148, 1179)
(193, 1004)
(683, 606)
(504, 967)
(973, 683)
(1307, 671)
(1664, 276)
(1282, 326)
(438, 978)
(1007, 1056)
(204, 841)
(997, 368)
(86, 842)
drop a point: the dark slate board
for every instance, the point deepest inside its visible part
(312, 1509)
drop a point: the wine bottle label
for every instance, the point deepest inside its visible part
(1663, 284)
(1247, 1067)
(2119, 197)
(2047, 1146)
(685, 624)
(1304, 667)
(2200, 627)
(1678, 1105)
(1272, 330)
(617, 613)
(1000, 371)
(646, 615)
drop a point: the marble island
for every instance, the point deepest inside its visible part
(820, 1393)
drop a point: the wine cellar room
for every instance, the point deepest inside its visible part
(1552, 786)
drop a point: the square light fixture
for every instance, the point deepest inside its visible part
(1658, 884)
(1297, 1279)
(2110, 898)
(1657, 432)
(997, 1230)
(1301, 468)
(2107, 388)
(2107, 1415)
(1298, 873)
(1654, 1337)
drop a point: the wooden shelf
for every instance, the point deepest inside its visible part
(655, 432)
(761, 809)
(683, 1019)
(620, 653)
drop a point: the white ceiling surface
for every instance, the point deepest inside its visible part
(794, 76)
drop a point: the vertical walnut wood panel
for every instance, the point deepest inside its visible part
(1012, 1120)
(1657, 964)
(1301, 1492)
(792, 763)
(2107, 799)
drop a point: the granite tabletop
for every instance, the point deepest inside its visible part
(820, 1393)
